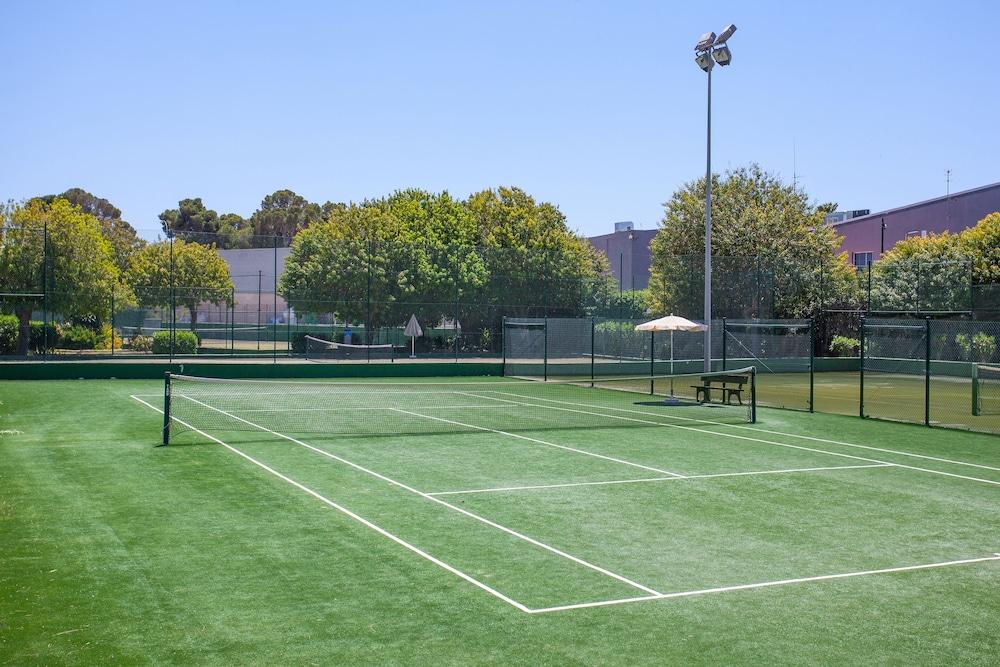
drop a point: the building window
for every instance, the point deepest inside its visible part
(862, 259)
(914, 233)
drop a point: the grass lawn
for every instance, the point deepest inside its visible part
(490, 528)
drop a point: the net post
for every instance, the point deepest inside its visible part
(545, 350)
(753, 394)
(975, 390)
(812, 363)
(861, 370)
(592, 328)
(724, 335)
(166, 408)
(927, 371)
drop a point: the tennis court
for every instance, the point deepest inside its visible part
(317, 510)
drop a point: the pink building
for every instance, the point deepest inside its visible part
(867, 237)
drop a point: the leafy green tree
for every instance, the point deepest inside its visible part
(58, 249)
(922, 273)
(193, 221)
(536, 264)
(768, 243)
(982, 245)
(381, 260)
(192, 274)
(190, 221)
(282, 214)
(123, 237)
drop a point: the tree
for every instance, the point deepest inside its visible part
(982, 245)
(428, 254)
(193, 221)
(123, 237)
(189, 275)
(381, 260)
(282, 214)
(771, 250)
(922, 273)
(536, 265)
(58, 250)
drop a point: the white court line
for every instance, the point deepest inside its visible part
(766, 584)
(658, 479)
(381, 409)
(536, 440)
(401, 485)
(731, 435)
(790, 435)
(356, 517)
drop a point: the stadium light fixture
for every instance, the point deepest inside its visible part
(711, 49)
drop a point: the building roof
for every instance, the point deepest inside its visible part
(935, 200)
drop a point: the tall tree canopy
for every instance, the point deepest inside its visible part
(440, 258)
(122, 236)
(982, 244)
(929, 273)
(769, 244)
(282, 214)
(193, 221)
(195, 274)
(57, 249)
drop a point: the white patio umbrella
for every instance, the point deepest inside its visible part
(670, 323)
(413, 330)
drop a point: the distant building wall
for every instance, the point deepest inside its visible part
(863, 235)
(628, 254)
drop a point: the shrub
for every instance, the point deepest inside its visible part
(105, 336)
(185, 342)
(140, 343)
(618, 338)
(964, 344)
(76, 337)
(8, 334)
(984, 346)
(43, 335)
(844, 346)
(299, 342)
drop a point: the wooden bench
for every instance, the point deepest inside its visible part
(722, 382)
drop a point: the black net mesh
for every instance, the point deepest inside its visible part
(425, 408)
(894, 367)
(781, 351)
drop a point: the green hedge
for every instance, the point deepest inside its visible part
(77, 337)
(185, 342)
(8, 334)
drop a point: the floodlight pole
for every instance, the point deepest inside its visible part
(708, 232)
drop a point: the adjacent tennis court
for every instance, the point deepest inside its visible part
(607, 503)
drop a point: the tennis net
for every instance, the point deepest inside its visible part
(402, 408)
(986, 390)
(318, 349)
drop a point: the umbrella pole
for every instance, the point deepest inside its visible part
(413, 354)
(671, 363)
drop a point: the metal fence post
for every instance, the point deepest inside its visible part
(545, 350)
(274, 307)
(592, 328)
(724, 343)
(927, 371)
(503, 345)
(861, 370)
(812, 363)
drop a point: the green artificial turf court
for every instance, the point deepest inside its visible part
(483, 523)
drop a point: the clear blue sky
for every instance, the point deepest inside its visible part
(597, 107)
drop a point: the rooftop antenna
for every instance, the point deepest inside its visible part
(947, 177)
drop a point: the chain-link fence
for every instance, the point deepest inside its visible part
(934, 372)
